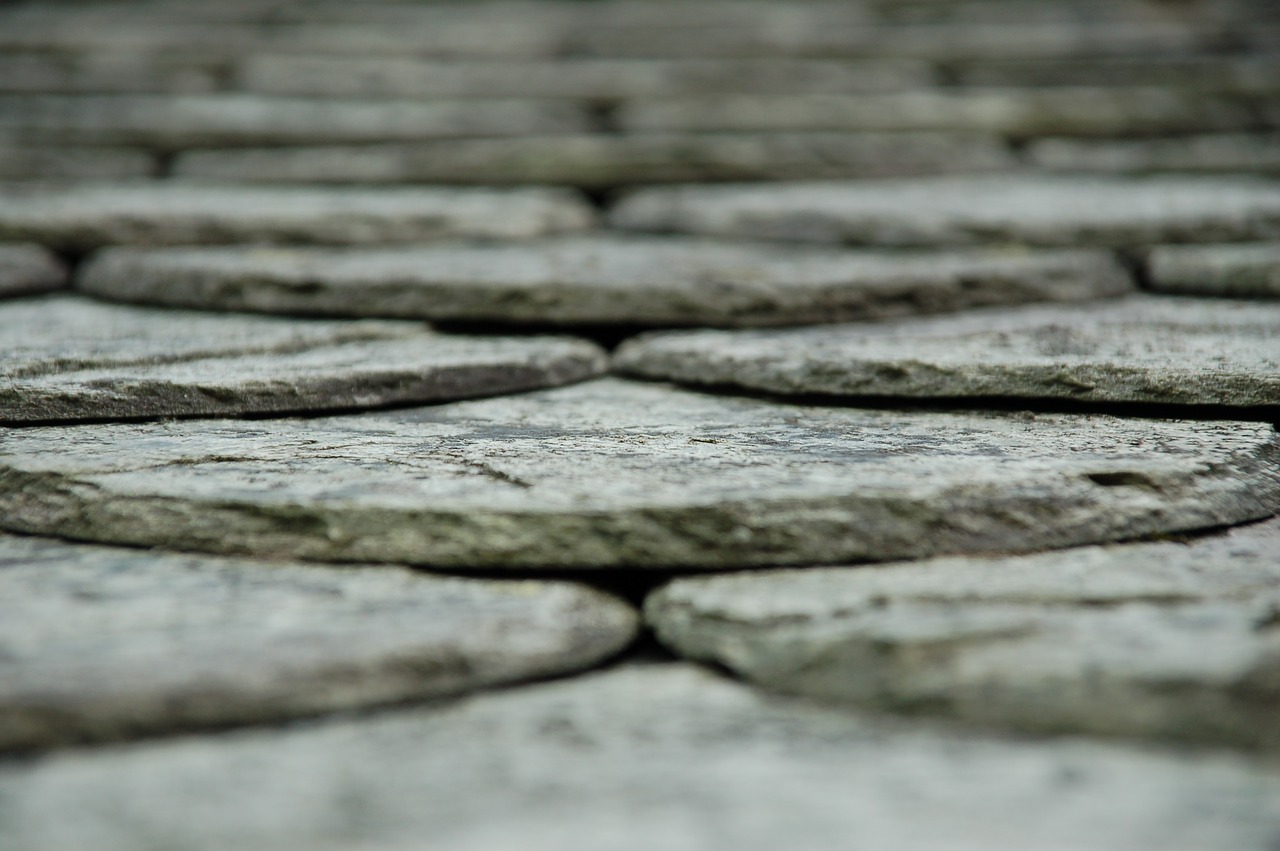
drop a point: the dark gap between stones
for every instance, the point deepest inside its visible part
(602, 117)
(162, 164)
(608, 337)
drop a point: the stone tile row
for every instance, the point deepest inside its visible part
(27, 269)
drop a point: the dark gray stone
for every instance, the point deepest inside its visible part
(1223, 152)
(69, 162)
(598, 279)
(616, 474)
(27, 269)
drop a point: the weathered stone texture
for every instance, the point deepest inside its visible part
(947, 210)
(64, 162)
(1216, 270)
(1143, 349)
(99, 72)
(26, 269)
(70, 359)
(602, 161)
(89, 216)
(616, 474)
(1165, 640)
(606, 279)
(104, 644)
(658, 756)
(168, 121)
(1222, 152)
(1236, 74)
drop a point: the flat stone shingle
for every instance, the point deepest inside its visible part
(613, 474)
(87, 216)
(1144, 349)
(1251, 271)
(27, 269)
(71, 162)
(70, 359)
(1166, 640)
(599, 161)
(664, 756)
(104, 644)
(1040, 210)
(1219, 152)
(596, 279)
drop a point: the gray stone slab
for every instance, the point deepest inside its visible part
(1144, 349)
(640, 757)
(1251, 271)
(92, 215)
(603, 161)
(1048, 210)
(27, 269)
(617, 474)
(72, 359)
(95, 72)
(1224, 152)
(173, 121)
(599, 279)
(1231, 73)
(568, 77)
(104, 644)
(1163, 640)
(71, 162)
(1011, 112)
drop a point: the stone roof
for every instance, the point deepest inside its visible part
(629, 424)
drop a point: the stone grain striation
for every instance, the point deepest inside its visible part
(79, 218)
(27, 269)
(68, 358)
(1167, 640)
(1039, 210)
(655, 756)
(610, 474)
(103, 644)
(1142, 349)
(599, 279)
(1248, 271)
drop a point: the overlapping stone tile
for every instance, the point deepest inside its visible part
(1166, 640)
(1144, 349)
(103, 644)
(95, 72)
(1251, 270)
(638, 757)
(618, 474)
(600, 279)
(1220, 152)
(27, 269)
(599, 161)
(90, 215)
(1012, 112)
(73, 162)
(71, 359)
(169, 121)
(1247, 74)
(1045, 210)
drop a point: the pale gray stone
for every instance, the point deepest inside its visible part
(599, 279)
(70, 162)
(1224, 152)
(88, 216)
(603, 161)
(173, 121)
(1163, 640)
(1144, 349)
(103, 644)
(1218, 270)
(72, 359)
(1011, 112)
(618, 474)
(1047, 210)
(604, 79)
(640, 757)
(26, 269)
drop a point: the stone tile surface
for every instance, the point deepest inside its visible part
(604, 161)
(71, 359)
(71, 162)
(1216, 270)
(26, 269)
(639, 757)
(1219, 152)
(616, 474)
(104, 644)
(91, 215)
(600, 279)
(1167, 640)
(946, 210)
(1143, 349)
